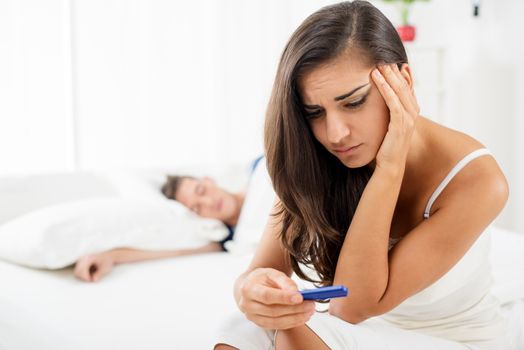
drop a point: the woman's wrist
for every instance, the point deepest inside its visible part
(392, 172)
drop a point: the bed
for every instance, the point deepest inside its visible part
(171, 304)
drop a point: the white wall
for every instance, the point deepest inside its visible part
(35, 85)
(483, 80)
(169, 83)
(163, 82)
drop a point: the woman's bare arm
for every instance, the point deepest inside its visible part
(379, 281)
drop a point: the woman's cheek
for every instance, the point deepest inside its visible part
(316, 129)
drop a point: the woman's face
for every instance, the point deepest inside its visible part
(206, 199)
(345, 109)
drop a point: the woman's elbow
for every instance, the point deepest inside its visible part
(350, 316)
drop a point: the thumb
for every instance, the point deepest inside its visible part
(281, 280)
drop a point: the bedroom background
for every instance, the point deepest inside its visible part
(104, 84)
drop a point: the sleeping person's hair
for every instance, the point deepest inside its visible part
(170, 187)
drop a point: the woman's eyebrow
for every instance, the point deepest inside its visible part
(339, 98)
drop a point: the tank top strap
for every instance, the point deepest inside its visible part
(461, 164)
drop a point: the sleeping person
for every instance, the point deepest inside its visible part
(201, 195)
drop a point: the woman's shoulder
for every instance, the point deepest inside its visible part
(450, 142)
(481, 174)
(448, 146)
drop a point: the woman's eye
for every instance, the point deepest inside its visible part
(353, 105)
(313, 114)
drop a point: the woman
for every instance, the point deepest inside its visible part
(373, 196)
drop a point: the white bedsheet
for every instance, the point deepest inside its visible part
(152, 305)
(167, 304)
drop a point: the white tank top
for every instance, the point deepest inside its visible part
(458, 306)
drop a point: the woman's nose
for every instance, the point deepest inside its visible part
(336, 128)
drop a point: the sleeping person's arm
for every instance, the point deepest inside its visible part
(93, 267)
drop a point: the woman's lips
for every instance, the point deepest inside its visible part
(348, 150)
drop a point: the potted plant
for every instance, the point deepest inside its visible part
(406, 31)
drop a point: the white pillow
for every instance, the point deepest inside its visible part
(56, 236)
(255, 212)
(20, 195)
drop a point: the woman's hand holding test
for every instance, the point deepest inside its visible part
(270, 299)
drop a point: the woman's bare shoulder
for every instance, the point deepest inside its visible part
(480, 174)
(452, 143)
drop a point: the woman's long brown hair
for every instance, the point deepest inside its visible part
(318, 194)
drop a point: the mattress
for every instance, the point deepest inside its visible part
(150, 305)
(167, 304)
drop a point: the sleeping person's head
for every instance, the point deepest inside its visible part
(204, 197)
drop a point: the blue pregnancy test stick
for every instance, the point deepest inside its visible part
(324, 293)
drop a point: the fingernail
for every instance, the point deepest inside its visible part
(376, 73)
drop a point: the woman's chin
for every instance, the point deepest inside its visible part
(357, 163)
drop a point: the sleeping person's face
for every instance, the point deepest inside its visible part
(345, 109)
(206, 199)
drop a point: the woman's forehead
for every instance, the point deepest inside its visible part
(332, 81)
(348, 67)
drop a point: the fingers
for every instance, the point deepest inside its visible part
(391, 76)
(280, 310)
(270, 296)
(284, 322)
(271, 299)
(397, 83)
(281, 280)
(82, 269)
(413, 98)
(92, 268)
(271, 286)
(404, 91)
(97, 272)
(390, 97)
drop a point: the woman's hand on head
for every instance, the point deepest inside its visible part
(93, 267)
(404, 111)
(270, 299)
